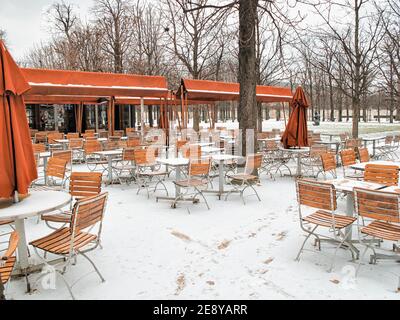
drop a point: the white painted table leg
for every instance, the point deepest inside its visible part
(44, 170)
(22, 246)
(177, 178)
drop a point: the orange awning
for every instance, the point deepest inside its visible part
(78, 83)
(17, 162)
(208, 90)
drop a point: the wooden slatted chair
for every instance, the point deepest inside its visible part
(322, 196)
(103, 133)
(198, 179)
(41, 137)
(65, 155)
(55, 170)
(363, 155)
(38, 147)
(385, 151)
(126, 165)
(7, 260)
(383, 174)
(51, 137)
(78, 238)
(328, 161)
(72, 135)
(378, 218)
(90, 131)
(348, 158)
(133, 142)
(311, 162)
(119, 133)
(81, 185)
(242, 181)
(147, 171)
(93, 161)
(76, 146)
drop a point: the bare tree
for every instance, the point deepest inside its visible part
(114, 18)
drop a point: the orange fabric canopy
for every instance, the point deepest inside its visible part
(295, 134)
(17, 162)
(208, 90)
(79, 83)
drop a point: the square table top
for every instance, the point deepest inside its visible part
(173, 162)
(348, 185)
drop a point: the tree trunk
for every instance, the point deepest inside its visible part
(247, 74)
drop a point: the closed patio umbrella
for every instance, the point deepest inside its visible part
(295, 134)
(17, 162)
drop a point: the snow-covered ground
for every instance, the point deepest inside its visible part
(233, 251)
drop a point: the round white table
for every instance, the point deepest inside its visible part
(36, 203)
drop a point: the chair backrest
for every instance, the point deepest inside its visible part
(191, 152)
(262, 135)
(87, 212)
(199, 167)
(87, 135)
(317, 149)
(118, 133)
(72, 135)
(379, 205)
(383, 174)
(253, 162)
(145, 156)
(363, 155)
(122, 144)
(63, 154)
(41, 137)
(56, 167)
(396, 139)
(353, 143)
(315, 194)
(348, 157)
(111, 145)
(328, 160)
(130, 130)
(51, 137)
(38, 147)
(85, 184)
(90, 131)
(75, 143)
(128, 154)
(33, 132)
(133, 142)
(114, 138)
(92, 146)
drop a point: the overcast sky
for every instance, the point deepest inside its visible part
(25, 23)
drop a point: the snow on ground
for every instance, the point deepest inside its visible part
(233, 251)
